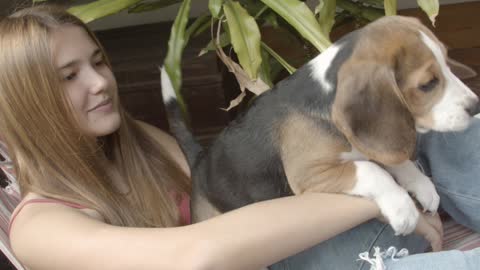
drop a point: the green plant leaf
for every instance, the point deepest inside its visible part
(326, 19)
(215, 6)
(302, 19)
(431, 7)
(279, 59)
(101, 8)
(390, 7)
(359, 10)
(265, 70)
(260, 12)
(143, 7)
(197, 26)
(176, 44)
(245, 37)
(202, 28)
(38, 1)
(375, 3)
(271, 19)
(224, 40)
(253, 7)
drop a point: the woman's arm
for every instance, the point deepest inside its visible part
(50, 236)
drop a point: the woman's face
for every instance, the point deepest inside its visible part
(88, 81)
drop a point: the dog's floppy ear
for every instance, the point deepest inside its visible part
(460, 70)
(369, 112)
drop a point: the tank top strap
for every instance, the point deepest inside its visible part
(41, 200)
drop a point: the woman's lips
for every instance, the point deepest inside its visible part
(105, 105)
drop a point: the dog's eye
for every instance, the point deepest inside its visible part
(429, 85)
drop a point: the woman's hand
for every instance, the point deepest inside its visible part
(430, 227)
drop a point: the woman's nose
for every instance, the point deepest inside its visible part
(97, 81)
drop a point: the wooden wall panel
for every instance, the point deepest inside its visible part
(458, 26)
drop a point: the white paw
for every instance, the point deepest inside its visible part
(425, 193)
(400, 211)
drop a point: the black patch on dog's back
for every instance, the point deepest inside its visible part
(347, 44)
(305, 93)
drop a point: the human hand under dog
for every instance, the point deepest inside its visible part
(429, 227)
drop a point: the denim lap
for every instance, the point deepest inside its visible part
(445, 260)
(342, 252)
(453, 161)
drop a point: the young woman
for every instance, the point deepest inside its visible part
(103, 191)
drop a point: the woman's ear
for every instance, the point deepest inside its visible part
(369, 112)
(460, 70)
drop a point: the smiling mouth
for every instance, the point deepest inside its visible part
(103, 103)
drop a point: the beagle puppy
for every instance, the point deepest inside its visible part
(345, 122)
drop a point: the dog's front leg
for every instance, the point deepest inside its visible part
(396, 205)
(414, 181)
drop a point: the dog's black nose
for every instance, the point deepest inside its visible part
(474, 109)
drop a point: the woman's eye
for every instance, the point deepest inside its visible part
(100, 62)
(70, 76)
(430, 85)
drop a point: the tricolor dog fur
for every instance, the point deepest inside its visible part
(345, 122)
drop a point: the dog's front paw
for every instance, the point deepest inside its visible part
(400, 211)
(414, 181)
(426, 194)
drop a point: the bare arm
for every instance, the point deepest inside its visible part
(50, 236)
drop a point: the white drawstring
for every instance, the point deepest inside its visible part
(377, 261)
(396, 255)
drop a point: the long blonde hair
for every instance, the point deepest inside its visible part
(51, 155)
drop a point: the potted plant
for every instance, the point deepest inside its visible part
(239, 24)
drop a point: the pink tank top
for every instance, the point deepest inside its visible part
(183, 207)
(15, 213)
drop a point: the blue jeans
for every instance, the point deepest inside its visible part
(453, 162)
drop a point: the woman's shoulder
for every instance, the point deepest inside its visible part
(38, 220)
(33, 198)
(34, 205)
(167, 142)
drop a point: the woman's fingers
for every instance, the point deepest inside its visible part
(430, 227)
(436, 222)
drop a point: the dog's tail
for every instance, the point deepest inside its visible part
(190, 147)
